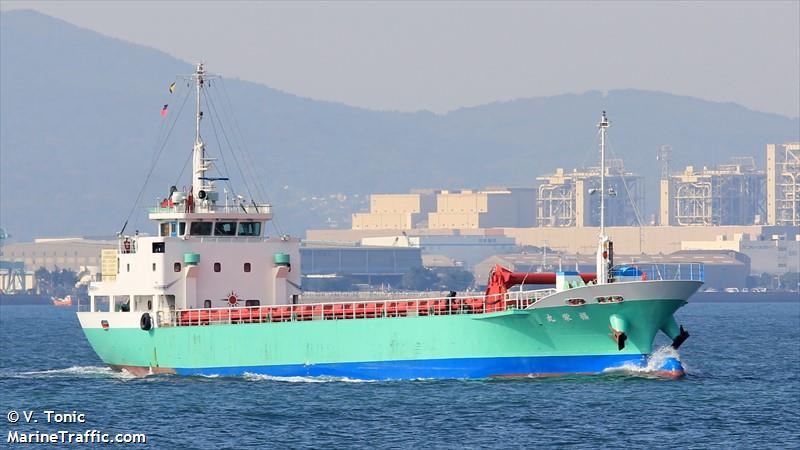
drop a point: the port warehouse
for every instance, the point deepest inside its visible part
(371, 265)
(19, 261)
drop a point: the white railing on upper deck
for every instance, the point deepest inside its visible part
(668, 271)
(221, 209)
(438, 306)
(238, 239)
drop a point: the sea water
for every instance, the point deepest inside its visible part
(742, 390)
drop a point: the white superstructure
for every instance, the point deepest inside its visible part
(203, 254)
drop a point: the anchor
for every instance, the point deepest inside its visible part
(677, 333)
(618, 327)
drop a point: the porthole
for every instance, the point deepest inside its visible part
(217, 267)
(247, 267)
(176, 267)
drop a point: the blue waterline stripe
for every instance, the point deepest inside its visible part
(434, 368)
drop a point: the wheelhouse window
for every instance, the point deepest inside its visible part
(171, 231)
(225, 229)
(249, 228)
(200, 228)
(164, 229)
(181, 228)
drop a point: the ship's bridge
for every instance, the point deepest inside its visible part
(211, 220)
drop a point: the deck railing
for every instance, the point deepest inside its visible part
(127, 244)
(200, 208)
(669, 271)
(438, 306)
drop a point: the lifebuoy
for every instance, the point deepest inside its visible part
(146, 322)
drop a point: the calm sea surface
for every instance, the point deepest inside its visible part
(742, 390)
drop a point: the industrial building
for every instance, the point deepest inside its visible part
(15, 279)
(368, 265)
(774, 254)
(396, 211)
(493, 207)
(636, 240)
(783, 184)
(570, 199)
(627, 240)
(465, 209)
(729, 194)
(73, 253)
(462, 249)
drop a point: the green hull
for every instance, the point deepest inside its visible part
(554, 338)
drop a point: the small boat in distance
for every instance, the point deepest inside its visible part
(66, 301)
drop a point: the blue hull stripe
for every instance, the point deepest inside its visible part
(435, 368)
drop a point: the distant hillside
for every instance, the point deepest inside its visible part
(79, 121)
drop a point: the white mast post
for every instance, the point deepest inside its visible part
(603, 125)
(602, 248)
(198, 155)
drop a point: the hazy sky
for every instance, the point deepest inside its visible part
(442, 56)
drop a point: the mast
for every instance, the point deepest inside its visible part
(605, 250)
(198, 155)
(602, 125)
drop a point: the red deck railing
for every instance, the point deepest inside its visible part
(440, 306)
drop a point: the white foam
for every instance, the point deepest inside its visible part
(77, 371)
(655, 362)
(298, 379)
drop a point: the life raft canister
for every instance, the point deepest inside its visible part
(146, 322)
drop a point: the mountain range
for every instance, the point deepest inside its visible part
(80, 122)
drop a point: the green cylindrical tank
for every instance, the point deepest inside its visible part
(192, 259)
(281, 259)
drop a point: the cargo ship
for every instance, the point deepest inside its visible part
(210, 294)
